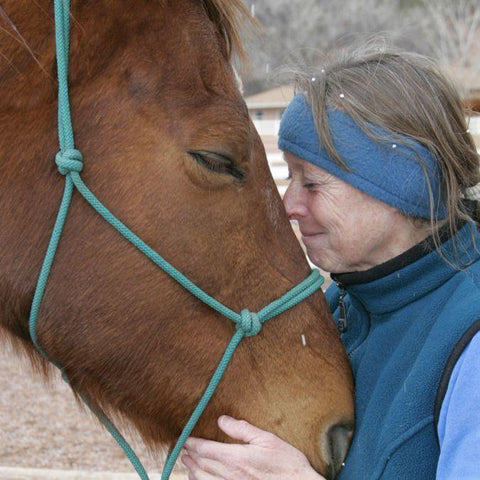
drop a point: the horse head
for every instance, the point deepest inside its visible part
(168, 146)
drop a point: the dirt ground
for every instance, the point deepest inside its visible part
(42, 426)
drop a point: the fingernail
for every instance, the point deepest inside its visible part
(224, 418)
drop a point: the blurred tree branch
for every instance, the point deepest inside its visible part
(454, 31)
(299, 30)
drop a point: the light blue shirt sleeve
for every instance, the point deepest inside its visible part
(459, 420)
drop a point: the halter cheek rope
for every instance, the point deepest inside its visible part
(70, 164)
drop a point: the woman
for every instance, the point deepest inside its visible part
(381, 161)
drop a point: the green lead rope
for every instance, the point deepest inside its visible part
(70, 164)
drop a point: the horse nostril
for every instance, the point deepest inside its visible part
(339, 437)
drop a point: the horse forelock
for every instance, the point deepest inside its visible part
(230, 17)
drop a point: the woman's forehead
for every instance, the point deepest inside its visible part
(304, 166)
(296, 162)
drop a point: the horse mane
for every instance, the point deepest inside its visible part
(231, 17)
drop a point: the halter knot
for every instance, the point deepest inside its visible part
(69, 160)
(250, 324)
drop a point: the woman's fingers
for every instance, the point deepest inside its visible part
(210, 449)
(244, 431)
(260, 455)
(200, 475)
(203, 469)
(239, 430)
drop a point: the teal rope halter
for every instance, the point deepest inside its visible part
(70, 163)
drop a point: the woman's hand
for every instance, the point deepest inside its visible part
(263, 456)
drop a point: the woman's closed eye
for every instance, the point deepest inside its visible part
(318, 182)
(314, 183)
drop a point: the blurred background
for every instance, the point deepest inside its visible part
(447, 30)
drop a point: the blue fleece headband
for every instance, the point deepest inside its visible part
(386, 170)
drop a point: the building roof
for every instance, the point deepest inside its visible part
(278, 97)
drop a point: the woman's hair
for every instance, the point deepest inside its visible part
(407, 95)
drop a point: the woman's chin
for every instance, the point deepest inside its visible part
(319, 260)
(312, 239)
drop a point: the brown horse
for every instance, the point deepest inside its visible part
(168, 146)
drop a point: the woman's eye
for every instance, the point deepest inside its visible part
(309, 186)
(218, 163)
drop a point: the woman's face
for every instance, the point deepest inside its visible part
(344, 229)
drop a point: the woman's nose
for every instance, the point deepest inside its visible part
(292, 200)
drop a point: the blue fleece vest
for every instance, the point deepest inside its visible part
(405, 320)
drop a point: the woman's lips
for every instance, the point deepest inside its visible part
(310, 235)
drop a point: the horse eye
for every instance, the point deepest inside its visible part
(218, 163)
